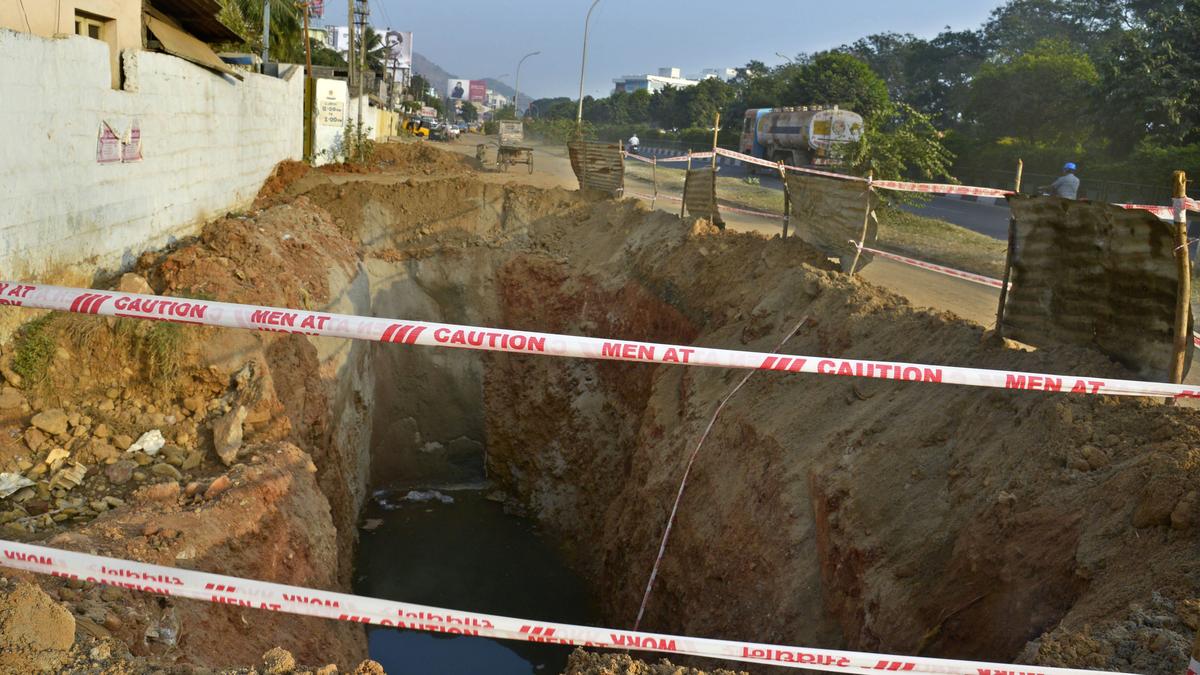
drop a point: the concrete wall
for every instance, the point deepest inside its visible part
(208, 142)
(330, 109)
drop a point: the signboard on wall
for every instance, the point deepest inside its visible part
(108, 145)
(458, 90)
(478, 91)
(400, 49)
(331, 106)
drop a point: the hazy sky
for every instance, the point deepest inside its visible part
(486, 38)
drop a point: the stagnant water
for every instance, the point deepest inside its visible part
(467, 555)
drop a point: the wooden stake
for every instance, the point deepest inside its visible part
(654, 180)
(787, 198)
(683, 202)
(716, 132)
(1183, 296)
(1008, 255)
(862, 240)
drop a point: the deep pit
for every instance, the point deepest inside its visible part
(832, 512)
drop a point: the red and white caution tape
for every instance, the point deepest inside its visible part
(1193, 666)
(940, 269)
(630, 155)
(276, 319)
(695, 156)
(264, 595)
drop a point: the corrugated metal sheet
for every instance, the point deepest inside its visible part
(198, 17)
(598, 166)
(829, 213)
(1093, 274)
(700, 195)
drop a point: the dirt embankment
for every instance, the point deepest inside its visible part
(913, 518)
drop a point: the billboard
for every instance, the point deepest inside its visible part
(478, 91)
(316, 8)
(400, 49)
(458, 90)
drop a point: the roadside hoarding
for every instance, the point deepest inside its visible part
(458, 90)
(316, 8)
(478, 91)
(400, 49)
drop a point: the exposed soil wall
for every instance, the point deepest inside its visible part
(834, 512)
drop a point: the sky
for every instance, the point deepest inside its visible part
(486, 38)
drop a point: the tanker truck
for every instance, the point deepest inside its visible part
(805, 136)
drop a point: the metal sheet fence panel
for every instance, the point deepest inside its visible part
(1093, 274)
(598, 166)
(700, 195)
(829, 214)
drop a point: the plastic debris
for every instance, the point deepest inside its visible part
(150, 443)
(69, 477)
(11, 482)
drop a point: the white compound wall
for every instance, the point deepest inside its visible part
(208, 143)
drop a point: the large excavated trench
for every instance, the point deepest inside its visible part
(899, 517)
(823, 511)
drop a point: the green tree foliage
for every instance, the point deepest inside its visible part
(469, 112)
(1041, 95)
(900, 141)
(837, 79)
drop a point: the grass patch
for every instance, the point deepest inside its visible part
(34, 349)
(731, 190)
(161, 347)
(937, 241)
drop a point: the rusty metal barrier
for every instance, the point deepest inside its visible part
(700, 195)
(599, 167)
(830, 214)
(1097, 275)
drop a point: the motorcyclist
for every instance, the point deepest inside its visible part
(632, 145)
(1066, 185)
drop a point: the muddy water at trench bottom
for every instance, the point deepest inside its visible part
(466, 555)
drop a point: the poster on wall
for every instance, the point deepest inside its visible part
(108, 146)
(400, 49)
(131, 147)
(478, 91)
(458, 90)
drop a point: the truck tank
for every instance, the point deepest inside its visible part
(798, 135)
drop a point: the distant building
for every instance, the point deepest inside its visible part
(668, 77)
(496, 100)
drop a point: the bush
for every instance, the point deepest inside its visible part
(34, 349)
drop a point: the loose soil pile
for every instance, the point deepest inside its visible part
(833, 512)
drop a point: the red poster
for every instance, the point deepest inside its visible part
(478, 91)
(108, 146)
(131, 149)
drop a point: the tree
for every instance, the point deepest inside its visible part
(900, 142)
(837, 79)
(1151, 77)
(1041, 96)
(469, 112)
(324, 56)
(1088, 25)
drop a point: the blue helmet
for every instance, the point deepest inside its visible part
(1069, 166)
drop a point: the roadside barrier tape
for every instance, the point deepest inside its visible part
(683, 158)
(630, 155)
(1193, 666)
(429, 334)
(240, 592)
(941, 269)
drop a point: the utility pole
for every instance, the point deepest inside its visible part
(266, 55)
(362, 12)
(517, 89)
(350, 44)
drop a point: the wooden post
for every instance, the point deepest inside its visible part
(787, 198)
(1183, 297)
(683, 202)
(654, 180)
(1008, 255)
(716, 132)
(862, 240)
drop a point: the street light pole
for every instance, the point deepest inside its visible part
(583, 66)
(517, 88)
